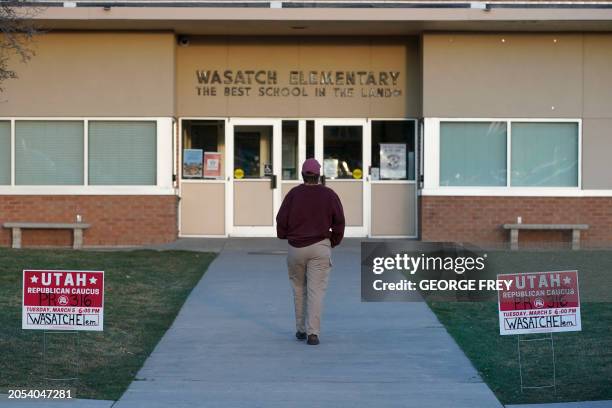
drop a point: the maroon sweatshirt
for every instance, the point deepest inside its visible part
(309, 214)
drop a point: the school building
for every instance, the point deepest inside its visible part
(436, 120)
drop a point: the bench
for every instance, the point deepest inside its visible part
(77, 230)
(515, 228)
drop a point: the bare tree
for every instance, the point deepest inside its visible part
(16, 32)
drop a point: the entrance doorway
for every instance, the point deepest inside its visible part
(255, 164)
(371, 164)
(342, 149)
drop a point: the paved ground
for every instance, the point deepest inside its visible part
(581, 404)
(232, 345)
(73, 403)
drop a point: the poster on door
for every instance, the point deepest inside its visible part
(212, 164)
(539, 302)
(192, 163)
(392, 161)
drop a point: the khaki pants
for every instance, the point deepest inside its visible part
(309, 269)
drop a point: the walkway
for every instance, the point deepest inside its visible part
(232, 345)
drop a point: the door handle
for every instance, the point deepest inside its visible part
(273, 182)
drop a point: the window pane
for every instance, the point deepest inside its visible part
(122, 153)
(48, 152)
(203, 149)
(393, 146)
(252, 151)
(5, 152)
(290, 150)
(473, 154)
(342, 152)
(545, 154)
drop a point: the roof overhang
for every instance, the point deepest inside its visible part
(323, 21)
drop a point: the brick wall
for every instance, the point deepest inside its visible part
(478, 219)
(115, 220)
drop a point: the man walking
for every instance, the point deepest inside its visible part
(312, 219)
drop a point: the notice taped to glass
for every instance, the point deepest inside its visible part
(63, 300)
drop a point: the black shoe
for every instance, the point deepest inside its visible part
(313, 339)
(300, 335)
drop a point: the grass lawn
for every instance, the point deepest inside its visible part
(144, 291)
(583, 359)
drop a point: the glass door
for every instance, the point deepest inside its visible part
(343, 148)
(254, 168)
(393, 180)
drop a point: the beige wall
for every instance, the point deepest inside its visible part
(305, 54)
(596, 150)
(393, 209)
(526, 76)
(94, 74)
(469, 75)
(202, 209)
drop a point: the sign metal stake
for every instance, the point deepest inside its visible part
(554, 373)
(76, 364)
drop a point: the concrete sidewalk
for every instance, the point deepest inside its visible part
(233, 345)
(579, 404)
(51, 403)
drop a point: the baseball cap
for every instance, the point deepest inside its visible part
(311, 166)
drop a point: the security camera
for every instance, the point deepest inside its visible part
(183, 41)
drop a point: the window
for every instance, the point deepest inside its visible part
(290, 150)
(544, 154)
(49, 152)
(473, 154)
(5, 152)
(393, 150)
(342, 152)
(122, 153)
(203, 149)
(252, 151)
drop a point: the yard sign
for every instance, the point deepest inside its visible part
(539, 302)
(63, 300)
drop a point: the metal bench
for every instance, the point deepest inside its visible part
(77, 230)
(515, 228)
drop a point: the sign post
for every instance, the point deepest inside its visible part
(539, 302)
